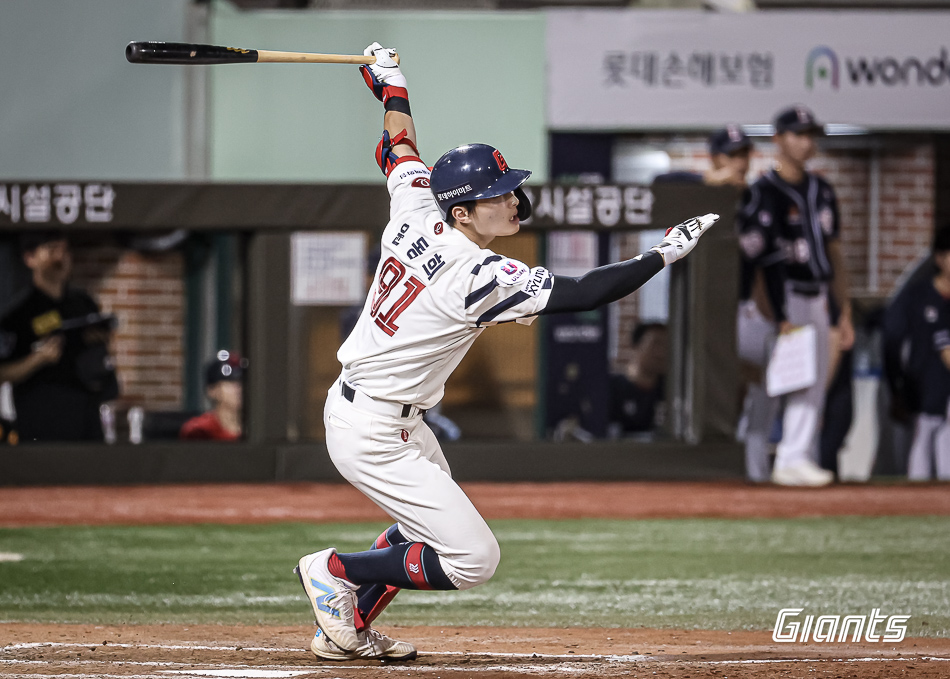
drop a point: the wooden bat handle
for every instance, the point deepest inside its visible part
(313, 58)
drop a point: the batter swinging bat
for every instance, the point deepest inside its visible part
(191, 53)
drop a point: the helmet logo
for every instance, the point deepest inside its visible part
(500, 159)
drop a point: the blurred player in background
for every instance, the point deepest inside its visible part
(789, 227)
(636, 395)
(917, 363)
(730, 151)
(437, 287)
(54, 349)
(224, 387)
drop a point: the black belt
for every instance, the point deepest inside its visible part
(349, 393)
(806, 288)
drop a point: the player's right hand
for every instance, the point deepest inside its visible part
(682, 238)
(384, 73)
(49, 350)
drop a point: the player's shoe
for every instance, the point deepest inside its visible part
(802, 474)
(373, 646)
(332, 599)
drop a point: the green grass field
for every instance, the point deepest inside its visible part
(702, 573)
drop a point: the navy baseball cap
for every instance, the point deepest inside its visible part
(730, 139)
(797, 119)
(225, 366)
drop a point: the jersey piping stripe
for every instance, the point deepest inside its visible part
(501, 307)
(488, 260)
(481, 293)
(803, 210)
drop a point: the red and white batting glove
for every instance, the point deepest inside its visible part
(385, 79)
(682, 238)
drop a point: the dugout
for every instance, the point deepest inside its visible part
(235, 244)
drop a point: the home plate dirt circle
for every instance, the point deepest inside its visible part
(37, 651)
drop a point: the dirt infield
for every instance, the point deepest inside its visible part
(169, 651)
(38, 651)
(323, 503)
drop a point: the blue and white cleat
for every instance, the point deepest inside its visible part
(333, 602)
(374, 646)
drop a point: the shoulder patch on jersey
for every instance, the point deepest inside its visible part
(420, 183)
(509, 272)
(752, 244)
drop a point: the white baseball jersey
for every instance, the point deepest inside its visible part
(434, 292)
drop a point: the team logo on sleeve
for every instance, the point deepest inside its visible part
(509, 271)
(752, 244)
(420, 183)
(535, 284)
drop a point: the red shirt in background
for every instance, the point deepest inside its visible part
(206, 427)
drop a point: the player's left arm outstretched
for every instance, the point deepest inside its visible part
(388, 84)
(607, 284)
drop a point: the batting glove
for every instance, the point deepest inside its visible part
(682, 238)
(385, 79)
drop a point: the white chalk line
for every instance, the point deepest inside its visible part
(271, 649)
(572, 660)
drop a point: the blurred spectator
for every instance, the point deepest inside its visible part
(224, 388)
(730, 150)
(917, 363)
(636, 397)
(789, 227)
(54, 349)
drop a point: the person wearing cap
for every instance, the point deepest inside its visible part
(916, 352)
(730, 152)
(55, 357)
(224, 388)
(789, 227)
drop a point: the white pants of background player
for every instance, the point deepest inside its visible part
(931, 449)
(801, 424)
(755, 338)
(407, 476)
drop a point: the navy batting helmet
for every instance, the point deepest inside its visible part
(475, 172)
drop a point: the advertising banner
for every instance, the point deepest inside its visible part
(636, 69)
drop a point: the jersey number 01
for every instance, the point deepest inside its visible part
(391, 274)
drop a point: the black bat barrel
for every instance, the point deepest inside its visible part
(186, 53)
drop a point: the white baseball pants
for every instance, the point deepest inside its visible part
(801, 424)
(930, 451)
(755, 338)
(407, 476)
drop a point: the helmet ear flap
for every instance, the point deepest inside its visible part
(524, 205)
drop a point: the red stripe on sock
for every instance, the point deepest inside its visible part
(335, 566)
(378, 607)
(383, 540)
(414, 566)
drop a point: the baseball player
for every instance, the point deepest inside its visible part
(437, 287)
(917, 362)
(790, 216)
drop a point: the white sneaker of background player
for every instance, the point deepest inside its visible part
(333, 600)
(802, 474)
(373, 646)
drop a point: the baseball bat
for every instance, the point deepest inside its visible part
(193, 53)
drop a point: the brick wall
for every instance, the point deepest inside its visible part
(906, 214)
(146, 292)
